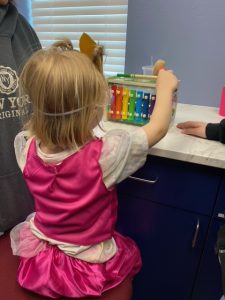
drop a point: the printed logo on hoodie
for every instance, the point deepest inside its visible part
(11, 105)
(9, 80)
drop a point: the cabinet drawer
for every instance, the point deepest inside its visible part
(180, 184)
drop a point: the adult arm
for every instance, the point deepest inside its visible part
(210, 131)
(216, 131)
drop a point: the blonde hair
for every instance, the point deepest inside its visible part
(67, 93)
(97, 57)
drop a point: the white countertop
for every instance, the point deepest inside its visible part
(178, 146)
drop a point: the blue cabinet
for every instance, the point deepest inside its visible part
(208, 277)
(167, 207)
(220, 203)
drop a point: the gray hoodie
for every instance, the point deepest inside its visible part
(17, 42)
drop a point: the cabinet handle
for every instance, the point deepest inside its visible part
(195, 234)
(143, 180)
(221, 215)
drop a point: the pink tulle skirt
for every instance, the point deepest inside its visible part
(52, 273)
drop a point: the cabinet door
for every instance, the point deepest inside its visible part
(165, 236)
(208, 284)
(220, 203)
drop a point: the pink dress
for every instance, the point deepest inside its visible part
(73, 206)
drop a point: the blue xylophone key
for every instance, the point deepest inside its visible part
(138, 107)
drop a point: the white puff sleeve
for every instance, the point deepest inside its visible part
(123, 153)
(21, 145)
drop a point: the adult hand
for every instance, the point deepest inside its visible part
(193, 128)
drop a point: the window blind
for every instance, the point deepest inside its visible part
(104, 20)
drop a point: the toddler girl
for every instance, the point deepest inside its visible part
(69, 247)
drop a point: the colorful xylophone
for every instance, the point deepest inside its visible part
(132, 100)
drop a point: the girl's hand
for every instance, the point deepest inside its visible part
(193, 128)
(160, 119)
(166, 80)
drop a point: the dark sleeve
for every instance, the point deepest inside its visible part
(216, 131)
(24, 42)
(30, 33)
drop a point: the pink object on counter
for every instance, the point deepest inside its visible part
(222, 103)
